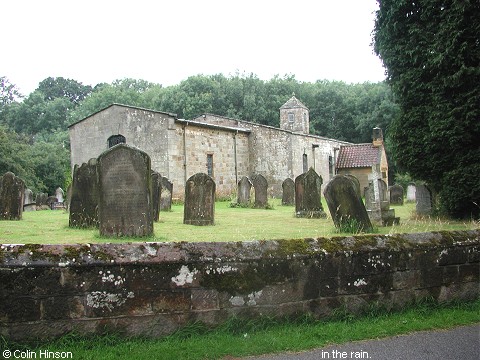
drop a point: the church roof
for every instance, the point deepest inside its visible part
(293, 103)
(358, 156)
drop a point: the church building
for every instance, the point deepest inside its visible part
(224, 148)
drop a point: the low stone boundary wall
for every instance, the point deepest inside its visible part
(152, 289)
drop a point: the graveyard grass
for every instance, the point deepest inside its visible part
(231, 224)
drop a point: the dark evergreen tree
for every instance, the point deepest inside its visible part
(431, 50)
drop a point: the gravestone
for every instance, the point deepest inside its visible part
(260, 185)
(41, 201)
(12, 192)
(355, 182)
(377, 201)
(199, 206)
(59, 194)
(51, 201)
(423, 200)
(125, 203)
(308, 190)
(288, 194)
(411, 189)
(156, 193)
(28, 197)
(244, 187)
(345, 204)
(84, 196)
(396, 194)
(166, 192)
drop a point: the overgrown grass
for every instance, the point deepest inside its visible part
(231, 224)
(237, 338)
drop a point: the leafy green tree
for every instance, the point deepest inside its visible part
(9, 92)
(431, 50)
(53, 88)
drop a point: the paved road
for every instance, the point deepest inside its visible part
(461, 343)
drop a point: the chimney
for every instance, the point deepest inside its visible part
(377, 137)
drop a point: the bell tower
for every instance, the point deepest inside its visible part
(294, 116)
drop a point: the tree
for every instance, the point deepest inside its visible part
(431, 51)
(9, 93)
(53, 88)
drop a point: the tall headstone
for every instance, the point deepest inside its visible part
(377, 200)
(243, 192)
(308, 191)
(396, 194)
(84, 196)
(166, 192)
(59, 194)
(345, 204)
(288, 194)
(28, 197)
(260, 185)
(423, 198)
(125, 201)
(411, 189)
(12, 192)
(156, 193)
(41, 201)
(199, 206)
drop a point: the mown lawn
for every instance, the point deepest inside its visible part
(231, 224)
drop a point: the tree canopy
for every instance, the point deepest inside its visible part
(431, 50)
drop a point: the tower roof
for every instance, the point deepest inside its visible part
(293, 103)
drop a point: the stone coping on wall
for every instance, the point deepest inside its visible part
(15, 255)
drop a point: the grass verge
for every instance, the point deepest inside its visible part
(237, 338)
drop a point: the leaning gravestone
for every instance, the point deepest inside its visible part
(12, 192)
(308, 191)
(125, 201)
(423, 200)
(396, 194)
(288, 195)
(260, 185)
(84, 196)
(244, 187)
(345, 204)
(166, 192)
(199, 206)
(156, 192)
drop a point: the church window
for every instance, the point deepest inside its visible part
(210, 165)
(116, 139)
(305, 163)
(291, 117)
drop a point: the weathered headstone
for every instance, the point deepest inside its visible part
(411, 189)
(377, 200)
(84, 196)
(288, 195)
(345, 204)
(125, 201)
(355, 182)
(59, 194)
(244, 187)
(156, 192)
(51, 201)
(423, 198)
(28, 197)
(41, 201)
(166, 194)
(396, 194)
(199, 206)
(308, 191)
(12, 192)
(260, 185)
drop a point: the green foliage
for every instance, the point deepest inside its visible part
(431, 52)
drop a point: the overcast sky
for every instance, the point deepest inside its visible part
(165, 42)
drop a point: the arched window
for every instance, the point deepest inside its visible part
(116, 139)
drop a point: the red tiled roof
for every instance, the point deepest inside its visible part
(357, 156)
